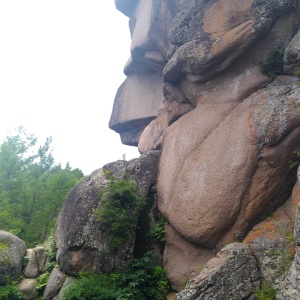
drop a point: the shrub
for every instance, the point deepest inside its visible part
(295, 162)
(143, 281)
(119, 212)
(158, 233)
(266, 292)
(273, 66)
(10, 291)
(93, 287)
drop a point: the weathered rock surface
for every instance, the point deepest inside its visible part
(67, 283)
(84, 245)
(223, 124)
(54, 283)
(272, 244)
(79, 239)
(292, 56)
(31, 270)
(130, 120)
(227, 29)
(183, 259)
(41, 257)
(145, 169)
(27, 288)
(206, 187)
(12, 251)
(233, 274)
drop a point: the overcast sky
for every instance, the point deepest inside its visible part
(61, 62)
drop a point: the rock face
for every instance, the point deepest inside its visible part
(233, 274)
(82, 242)
(27, 288)
(78, 238)
(31, 270)
(183, 259)
(54, 283)
(221, 123)
(272, 244)
(12, 251)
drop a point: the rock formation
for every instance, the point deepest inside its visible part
(12, 251)
(82, 242)
(221, 120)
(211, 100)
(20, 265)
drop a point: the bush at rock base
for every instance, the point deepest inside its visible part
(143, 281)
(10, 291)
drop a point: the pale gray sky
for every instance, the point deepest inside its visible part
(61, 62)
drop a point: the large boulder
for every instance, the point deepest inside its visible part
(12, 252)
(183, 260)
(216, 183)
(272, 244)
(80, 240)
(54, 284)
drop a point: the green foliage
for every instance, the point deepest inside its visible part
(119, 212)
(32, 187)
(93, 287)
(51, 254)
(108, 175)
(143, 281)
(273, 66)
(10, 292)
(266, 292)
(158, 233)
(41, 284)
(297, 73)
(25, 261)
(268, 215)
(295, 162)
(285, 258)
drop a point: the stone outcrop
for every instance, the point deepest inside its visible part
(248, 180)
(233, 274)
(27, 288)
(31, 270)
(183, 259)
(41, 257)
(54, 284)
(211, 100)
(221, 123)
(84, 245)
(12, 251)
(272, 244)
(292, 56)
(80, 245)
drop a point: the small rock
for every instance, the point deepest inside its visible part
(41, 257)
(27, 288)
(31, 269)
(55, 282)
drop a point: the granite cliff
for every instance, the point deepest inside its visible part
(211, 100)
